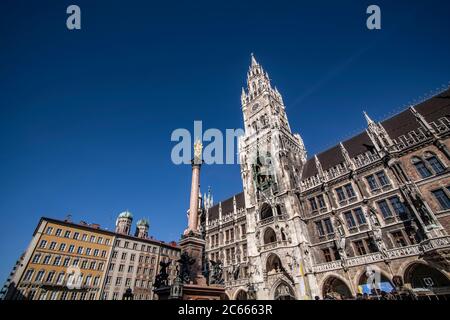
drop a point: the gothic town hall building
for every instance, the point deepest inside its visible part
(376, 205)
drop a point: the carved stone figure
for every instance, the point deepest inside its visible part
(185, 272)
(236, 270)
(161, 279)
(217, 272)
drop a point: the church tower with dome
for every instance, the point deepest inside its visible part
(123, 222)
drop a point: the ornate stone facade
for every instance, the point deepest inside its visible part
(304, 228)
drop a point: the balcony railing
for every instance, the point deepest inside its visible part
(273, 245)
(396, 253)
(271, 219)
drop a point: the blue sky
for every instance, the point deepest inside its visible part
(86, 116)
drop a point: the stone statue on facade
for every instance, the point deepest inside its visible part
(236, 271)
(217, 272)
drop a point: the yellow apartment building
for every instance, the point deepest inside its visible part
(64, 261)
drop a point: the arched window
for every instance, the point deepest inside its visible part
(269, 236)
(266, 211)
(273, 264)
(434, 163)
(421, 167)
(284, 292)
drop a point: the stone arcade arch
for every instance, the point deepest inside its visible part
(266, 211)
(269, 236)
(283, 291)
(381, 282)
(335, 288)
(241, 295)
(421, 275)
(273, 264)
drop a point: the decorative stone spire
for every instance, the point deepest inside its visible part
(346, 156)
(319, 166)
(378, 134)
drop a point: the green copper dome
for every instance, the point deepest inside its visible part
(143, 222)
(126, 214)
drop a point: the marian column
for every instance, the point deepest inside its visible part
(195, 186)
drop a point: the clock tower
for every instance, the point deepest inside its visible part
(272, 158)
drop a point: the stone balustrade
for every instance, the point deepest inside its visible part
(413, 250)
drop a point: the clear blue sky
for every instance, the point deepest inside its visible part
(86, 116)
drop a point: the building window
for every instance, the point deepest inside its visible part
(340, 193)
(58, 232)
(39, 276)
(118, 281)
(350, 220)
(321, 201)
(49, 230)
(360, 248)
(76, 235)
(52, 245)
(421, 168)
(84, 237)
(359, 214)
(442, 198)
(373, 185)
(67, 234)
(43, 244)
(60, 278)
(100, 240)
(124, 255)
(96, 253)
(92, 239)
(36, 258)
(71, 248)
(435, 164)
(121, 267)
(384, 208)
(50, 276)
(62, 247)
(398, 207)
(80, 250)
(399, 240)
(313, 204)
(350, 191)
(327, 255)
(382, 179)
(319, 227)
(92, 265)
(114, 255)
(66, 262)
(28, 275)
(88, 251)
(57, 261)
(328, 226)
(47, 259)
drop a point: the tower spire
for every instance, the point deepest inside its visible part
(254, 62)
(368, 119)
